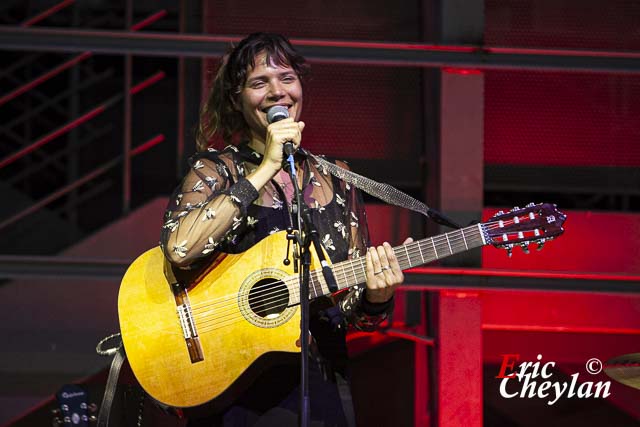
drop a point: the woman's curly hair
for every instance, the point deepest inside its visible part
(219, 114)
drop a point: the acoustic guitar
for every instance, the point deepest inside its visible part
(189, 346)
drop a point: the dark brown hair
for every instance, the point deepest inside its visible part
(218, 115)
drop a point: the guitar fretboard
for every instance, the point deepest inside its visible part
(353, 272)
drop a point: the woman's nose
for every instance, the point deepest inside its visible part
(276, 90)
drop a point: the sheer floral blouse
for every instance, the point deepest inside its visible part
(215, 209)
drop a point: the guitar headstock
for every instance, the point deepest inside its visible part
(535, 223)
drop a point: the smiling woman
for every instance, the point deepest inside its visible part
(234, 198)
(221, 113)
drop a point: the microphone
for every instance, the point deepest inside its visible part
(275, 114)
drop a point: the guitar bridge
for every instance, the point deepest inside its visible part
(185, 316)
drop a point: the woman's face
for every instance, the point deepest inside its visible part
(268, 85)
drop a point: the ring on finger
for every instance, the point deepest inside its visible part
(386, 267)
(378, 272)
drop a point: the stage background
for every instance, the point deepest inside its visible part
(565, 136)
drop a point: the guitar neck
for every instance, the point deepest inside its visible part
(353, 272)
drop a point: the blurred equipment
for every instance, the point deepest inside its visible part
(625, 369)
(73, 408)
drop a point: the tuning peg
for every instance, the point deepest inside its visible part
(509, 249)
(530, 205)
(541, 243)
(525, 247)
(498, 213)
(515, 208)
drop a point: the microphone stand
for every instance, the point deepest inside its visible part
(303, 242)
(304, 237)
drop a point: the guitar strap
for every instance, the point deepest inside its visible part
(382, 191)
(112, 384)
(112, 379)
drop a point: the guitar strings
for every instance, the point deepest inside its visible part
(266, 304)
(277, 306)
(210, 325)
(233, 296)
(256, 290)
(277, 297)
(348, 273)
(412, 248)
(279, 293)
(278, 300)
(338, 270)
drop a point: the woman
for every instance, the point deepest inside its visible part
(231, 199)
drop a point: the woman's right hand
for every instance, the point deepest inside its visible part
(277, 134)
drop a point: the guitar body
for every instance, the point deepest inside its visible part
(233, 331)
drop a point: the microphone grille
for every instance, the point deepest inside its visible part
(277, 113)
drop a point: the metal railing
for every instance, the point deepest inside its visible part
(86, 117)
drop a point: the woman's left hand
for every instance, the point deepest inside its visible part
(383, 272)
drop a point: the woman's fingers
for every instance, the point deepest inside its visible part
(278, 134)
(375, 270)
(385, 262)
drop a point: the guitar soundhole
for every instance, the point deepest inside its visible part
(268, 298)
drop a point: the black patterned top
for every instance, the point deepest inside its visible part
(215, 209)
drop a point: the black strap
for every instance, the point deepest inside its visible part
(110, 389)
